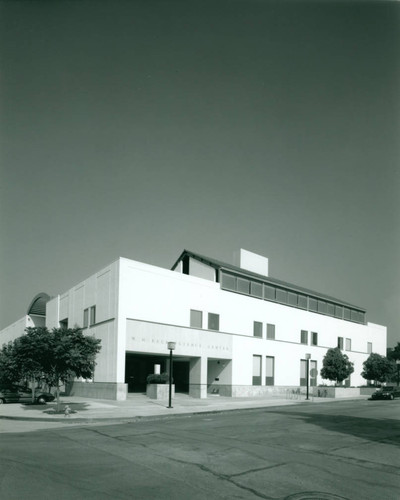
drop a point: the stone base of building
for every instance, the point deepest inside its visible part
(159, 391)
(97, 390)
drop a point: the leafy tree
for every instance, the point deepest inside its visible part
(378, 368)
(55, 357)
(336, 366)
(394, 353)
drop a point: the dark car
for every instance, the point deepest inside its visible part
(387, 392)
(24, 395)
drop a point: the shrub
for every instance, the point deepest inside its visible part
(158, 378)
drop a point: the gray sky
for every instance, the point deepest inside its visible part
(141, 128)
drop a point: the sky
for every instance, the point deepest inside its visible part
(142, 128)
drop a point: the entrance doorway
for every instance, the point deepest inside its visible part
(139, 366)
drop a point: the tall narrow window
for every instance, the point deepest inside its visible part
(256, 370)
(85, 318)
(64, 323)
(269, 370)
(313, 373)
(196, 319)
(303, 372)
(340, 342)
(369, 347)
(270, 331)
(257, 329)
(314, 338)
(92, 315)
(304, 337)
(213, 321)
(348, 344)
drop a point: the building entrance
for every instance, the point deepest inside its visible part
(139, 366)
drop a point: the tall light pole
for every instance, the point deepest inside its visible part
(398, 371)
(171, 347)
(308, 356)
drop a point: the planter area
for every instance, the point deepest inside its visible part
(159, 391)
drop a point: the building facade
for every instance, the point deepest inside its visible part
(238, 332)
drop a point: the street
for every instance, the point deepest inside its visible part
(340, 450)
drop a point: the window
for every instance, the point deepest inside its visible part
(346, 313)
(314, 338)
(302, 301)
(256, 289)
(92, 315)
(228, 282)
(322, 306)
(269, 370)
(330, 309)
(256, 370)
(269, 292)
(213, 321)
(257, 329)
(313, 373)
(369, 347)
(338, 311)
(340, 342)
(270, 332)
(281, 296)
(196, 319)
(348, 344)
(85, 318)
(303, 337)
(303, 372)
(243, 285)
(64, 323)
(292, 299)
(313, 304)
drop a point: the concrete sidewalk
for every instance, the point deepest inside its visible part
(139, 406)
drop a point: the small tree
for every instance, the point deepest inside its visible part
(336, 366)
(378, 368)
(9, 370)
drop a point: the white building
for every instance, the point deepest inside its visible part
(238, 332)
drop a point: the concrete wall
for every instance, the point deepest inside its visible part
(15, 330)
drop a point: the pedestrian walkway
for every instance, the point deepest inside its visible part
(139, 406)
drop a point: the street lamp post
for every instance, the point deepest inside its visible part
(308, 356)
(171, 347)
(398, 371)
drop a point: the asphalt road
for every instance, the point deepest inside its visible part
(340, 450)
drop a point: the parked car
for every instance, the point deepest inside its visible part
(18, 394)
(387, 392)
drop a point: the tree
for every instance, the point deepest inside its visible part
(336, 366)
(55, 357)
(394, 352)
(378, 368)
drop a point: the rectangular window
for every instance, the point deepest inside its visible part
(304, 337)
(348, 344)
(281, 296)
(256, 289)
(196, 319)
(269, 370)
(92, 315)
(292, 299)
(228, 282)
(213, 321)
(269, 292)
(313, 304)
(302, 301)
(256, 370)
(330, 309)
(322, 306)
(257, 329)
(314, 338)
(369, 347)
(303, 372)
(64, 323)
(346, 313)
(85, 318)
(243, 286)
(270, 331)
(340, 342)
(338, 311)
(313, 373)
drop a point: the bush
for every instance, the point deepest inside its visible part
(158, 378)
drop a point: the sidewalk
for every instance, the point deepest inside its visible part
(139, 406)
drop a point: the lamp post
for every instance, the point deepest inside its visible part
(398, 371)
(171, 347)
(308, 356)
